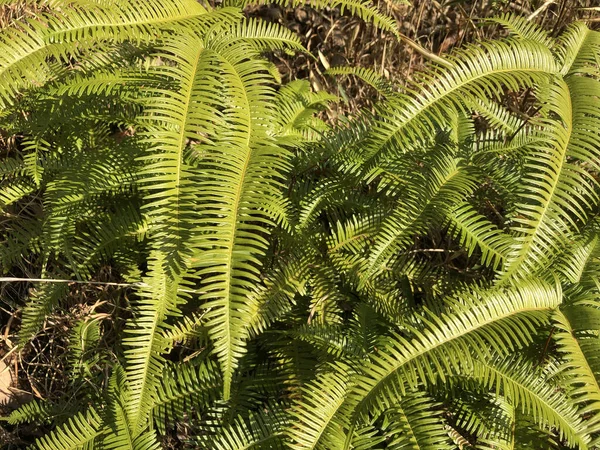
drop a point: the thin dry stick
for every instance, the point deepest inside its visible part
(425, 53)
(534, 14)
(97, 283)
(55, 280)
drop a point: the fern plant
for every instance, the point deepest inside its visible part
(421, 277)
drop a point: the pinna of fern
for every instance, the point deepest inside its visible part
(392, 267)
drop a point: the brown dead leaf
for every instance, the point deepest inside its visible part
(6, 382)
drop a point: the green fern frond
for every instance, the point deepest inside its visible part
(448, 184)
(33, 411)
(275, 298)
(265, 35)
(83, 347)
(523, 28)
(478, 72)
(572, 263)
(422, 276)
(184, 389)
(296, 106)
(496, 115)
(316, 423)
(476, 232)
(117, 434)
(76, 433)
(529, 390)
(189, 329)
(145, 346)
(416, 423)
(263, 430)
(553, 202)
(576, 373)
(25, 49)
(577, 50)
(44, 299)
(383, 86)
(362, 9)
(503, 318)
(240, 186)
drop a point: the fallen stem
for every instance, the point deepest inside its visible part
(427, 54)
(55, 280)
(97, 283)
(540, 9)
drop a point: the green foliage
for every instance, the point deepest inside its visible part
(409, 279)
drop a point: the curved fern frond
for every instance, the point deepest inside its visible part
(448, 184)
(577, 50)
(25, 49)
(361, 9)
(424, 276)
(528, 389)
(240, 186)
(316, 423)
(523, 28)
(383, 86)
(553, 201)
(145, 347)
(34, 410)
(44, 299)
(496, 115)
(117, 435)
(478, 71)
(416, 423)
(263, 430)
(74, 434)
(184, 389)
(296, 106)
(475, 231)
(470, 326)
(577, 373)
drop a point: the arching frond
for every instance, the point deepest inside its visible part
(76, 433)
(44, 299)
(476, 232)
(553, 201)
(478, 71)
(523, 28)
(189, 387)
(145, 361)
(530, 391)
(316, 422)
(577, 49)
(359, 8)
(369, 76)
(25, 49)
(416, 423)
(577, 374)
(448, 183)
(259, 431)
(471, 327)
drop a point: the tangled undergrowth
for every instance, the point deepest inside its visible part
(437, 27)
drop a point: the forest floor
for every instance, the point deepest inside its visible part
(333, 39)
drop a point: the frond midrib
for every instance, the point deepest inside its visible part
(375, 257)
(419, 109)
(524, 249)
(441, 343)
(47, 41)
(501, 375)
(231, 242)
